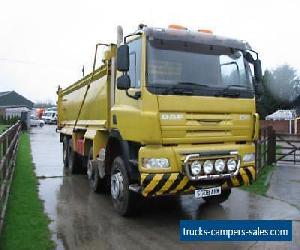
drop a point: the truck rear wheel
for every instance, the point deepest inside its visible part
(217, 199)
(97, 184)
(73, 161)
(124, 200)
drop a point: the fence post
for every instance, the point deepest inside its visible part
(271, 146)
(9, 143)
(265, 147)
(258, 152)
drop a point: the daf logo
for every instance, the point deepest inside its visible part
(171, 116)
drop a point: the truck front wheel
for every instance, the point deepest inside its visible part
(217, 199)
(124, 200)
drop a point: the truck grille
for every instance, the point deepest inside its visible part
(199, 128)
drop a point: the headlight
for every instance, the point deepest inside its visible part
(219, 165)
(208, 167)
(156, 163)
(231, 165)
(196, 167)
(249, 157)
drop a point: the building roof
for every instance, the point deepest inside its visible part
(13, 99)
(282, 115)
(4, 93)
(13, 106)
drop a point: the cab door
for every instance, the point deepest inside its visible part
(126, 111)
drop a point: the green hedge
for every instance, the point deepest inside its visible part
(9, 120)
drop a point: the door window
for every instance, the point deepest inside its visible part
(135, 63)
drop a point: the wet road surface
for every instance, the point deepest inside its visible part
(285, 184)
(82, 219)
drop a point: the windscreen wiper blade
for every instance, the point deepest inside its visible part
(191, 84)
(180, 88)
(186, 88)
(231, 93)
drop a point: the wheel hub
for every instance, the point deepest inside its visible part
(117, 185)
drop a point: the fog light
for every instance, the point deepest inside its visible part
(249, 157)
(231, 165)
(156, 163)
(208, 167)
(196, 167)
(219, 165)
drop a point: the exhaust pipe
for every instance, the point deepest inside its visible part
(119, 35)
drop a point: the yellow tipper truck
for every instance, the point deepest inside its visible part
(170, 111)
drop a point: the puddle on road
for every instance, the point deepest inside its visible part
(46, 151)
(47, 157)
(48, 190)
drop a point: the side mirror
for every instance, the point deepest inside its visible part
(123, 58)
(123, 82)
(257, 70)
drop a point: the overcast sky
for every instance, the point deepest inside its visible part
(45, 43)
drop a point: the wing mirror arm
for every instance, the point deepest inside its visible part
(123, 82)
(258, 76)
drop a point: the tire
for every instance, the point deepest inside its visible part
(73, 160)
(65, 152)
(124, 200)
(98, 185)
(41, 125)
(217, 199)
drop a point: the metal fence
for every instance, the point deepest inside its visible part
(265, 148)
(288, 148)
(8, 147)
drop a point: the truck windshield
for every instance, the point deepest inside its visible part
(178, 67)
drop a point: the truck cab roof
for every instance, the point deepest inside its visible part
(196, 37)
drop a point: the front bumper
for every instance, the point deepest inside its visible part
(177, 183)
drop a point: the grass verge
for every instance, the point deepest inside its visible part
(261, 185)
(26, 224)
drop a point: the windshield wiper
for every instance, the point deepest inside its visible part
(231, 93)
(191, 83)
(177, 90)
(180, 88)
(186, 88)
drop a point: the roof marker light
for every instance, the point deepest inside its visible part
(177, 27)
(205, 31)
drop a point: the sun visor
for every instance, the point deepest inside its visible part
(196, 37)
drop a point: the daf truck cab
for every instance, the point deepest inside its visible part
(171, 111)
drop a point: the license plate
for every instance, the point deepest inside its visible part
(207, 192)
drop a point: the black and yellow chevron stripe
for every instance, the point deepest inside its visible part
(244, 177)
(168, 183)
(173, 183)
